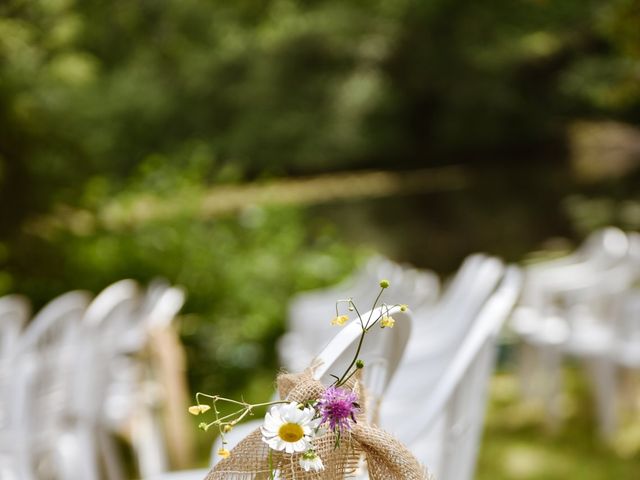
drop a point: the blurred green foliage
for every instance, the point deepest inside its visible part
(91, 89)
(239, 272)
(104, 100)
(118, 99)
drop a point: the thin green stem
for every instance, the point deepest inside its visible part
(375, 322)
(246, 409)
(355, 358)
(375, 302)
(358, 313)
(365, 328)
(271, 472)
(349, 376)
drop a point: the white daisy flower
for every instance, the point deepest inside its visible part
(310, 461)
(289, 428)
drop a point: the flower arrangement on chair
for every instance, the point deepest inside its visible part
(315, 431)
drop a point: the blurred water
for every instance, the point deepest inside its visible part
(506, 210)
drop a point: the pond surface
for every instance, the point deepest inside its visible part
(508, 212)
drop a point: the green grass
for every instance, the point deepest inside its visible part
(517, 446)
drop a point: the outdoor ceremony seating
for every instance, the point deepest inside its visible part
(44, 364)
(86, 370)
(626, 351)
(580, 306)
(14, 313)
(160, 388)
(448, 431)
(460, 330)
(74, 377)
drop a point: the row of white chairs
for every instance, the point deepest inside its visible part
(73, 376)
(69, 377)
(428, 375)
(585, 306)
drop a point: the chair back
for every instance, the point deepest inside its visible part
(441, 336)
(14, 313)
(452, 418)
(42, 400)
(438, 333)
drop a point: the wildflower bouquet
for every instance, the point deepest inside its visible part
(315, 431)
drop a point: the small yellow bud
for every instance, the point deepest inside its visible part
(384, 283)
(224, 453)
(203, 426)
(387, 322)
(204, 408)
(195, 410)
(340, 320)
(227, 428)
(404, 308)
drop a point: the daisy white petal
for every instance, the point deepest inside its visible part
(289, 428)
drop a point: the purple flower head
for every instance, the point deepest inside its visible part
(338, 406)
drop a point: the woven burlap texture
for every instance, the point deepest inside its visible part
(386, 457)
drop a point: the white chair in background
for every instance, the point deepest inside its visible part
(601, 251)
(439, 336)
(160, 387)
(438, 330)
(452, 415)
(626, 351)
(571, 307)
(14, 313)
(133, 393)
(77, 373)
(150, 313)
(601, 248)
(42, 399)
(621, 348)
(108, 326)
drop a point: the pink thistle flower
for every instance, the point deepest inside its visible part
(338, 407)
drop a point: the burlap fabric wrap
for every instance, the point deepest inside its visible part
(386, 458)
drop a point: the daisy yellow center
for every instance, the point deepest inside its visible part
(290, 432)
